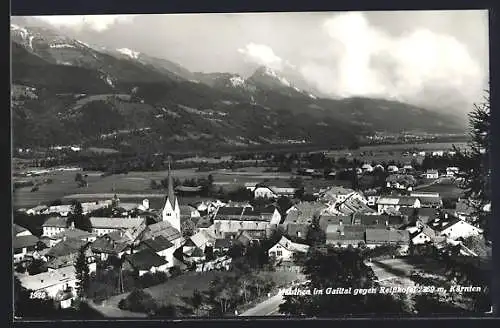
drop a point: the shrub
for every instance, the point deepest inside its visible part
(138, 301)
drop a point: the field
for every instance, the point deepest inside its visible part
(445, 190)
(175, 290)
(132, 183)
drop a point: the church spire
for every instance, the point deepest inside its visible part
(170, 192)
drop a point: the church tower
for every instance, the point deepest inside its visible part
(171, 211)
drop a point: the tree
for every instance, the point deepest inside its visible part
(351, 272)
(315, 235)
(138, 301)
(196, 300)
(36, 266)
(80, 221)
(477, 183)
(82, 273)
(284, 203)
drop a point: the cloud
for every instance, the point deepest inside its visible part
(262, 55)
(362, 60)
(97, 23)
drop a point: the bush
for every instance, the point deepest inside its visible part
(138, 301)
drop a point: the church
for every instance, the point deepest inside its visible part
(171, 212)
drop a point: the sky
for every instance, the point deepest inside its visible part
(437, 59)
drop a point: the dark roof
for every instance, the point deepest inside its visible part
(265, 210)
(347, 232)
(57, 222)
(24, 241)
(407, 211)
(17, 229)
(163, 228)
(364, 219)
(73, 233)
(223, 243)
(66, 247)
(145, 260)
(203, 223)
(443, 224)
(106, 244)
(407, 201)
(325, 220)
(293, 228)
(431, 201)
(186, 210)
(230, 211)
(385, 235)
(427, 214)
(158, 244)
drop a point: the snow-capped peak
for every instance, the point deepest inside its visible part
(132, 54)
(269, 71)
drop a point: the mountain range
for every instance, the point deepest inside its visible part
(65, 91)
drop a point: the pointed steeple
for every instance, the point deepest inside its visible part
(170, 192)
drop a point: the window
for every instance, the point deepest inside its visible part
(18, 251)
(279, 253)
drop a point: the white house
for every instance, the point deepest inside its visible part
(162, 247)
(51, 283)
(285, 249)
(145, 261)
(36, 210)
(264, 192)
(394, 203)
(23, 246)
(104, 225)
(54, 226)
(340, 194)
(455, 228)
(367, 168)
(392, 169)
(452, 171)
(432, 174)
(423, 236)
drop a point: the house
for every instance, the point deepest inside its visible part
(54, 225)
(165, 229)
(454, 228)
(67, 251)
(223, 245)
(338, 194)
(344, 235)
(23, 246)
(396, 202)
(304, 212)
(262, 191)
(426, 215)
(221, 263)
(367, 168)
(431, 202)
(285, 249)
(60, 210)
(424, 236)
(51, 283)
(188, 211)
(232, 220)
(18, 231)
(36, 210)
(104, 225)
(326, 220)
(371, 196)
(377, 237)
(370, 220)
(432, 174)
(353, 205)
(452, 171)
(296, 230)
(111, 244)
(144, 261)
(162, 247)
(71, 233)
(200, 240)
(400, 181)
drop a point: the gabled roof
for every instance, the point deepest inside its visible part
(105, 244)
(186, 210)
(72, 233)
(145, 260)
(165, 229)
(56, 222)
(116, 223)
(293, 247)
(397, 200)
(66, 247)
(24, 241)
(325, 220)
(46, 279)
(16, 229)
(201, 238)
(347, 232)
(158, 244)
(385, 235)
(230, 211)
(364, 219)
(430, 201)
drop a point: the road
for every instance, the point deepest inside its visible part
(266, 308)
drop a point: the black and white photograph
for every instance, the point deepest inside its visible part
(245, 165)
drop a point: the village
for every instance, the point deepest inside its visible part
(195, 238)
